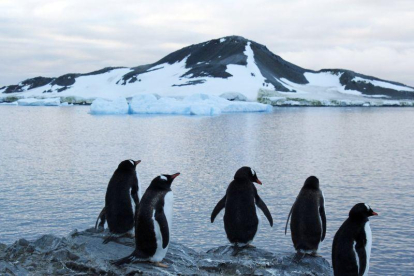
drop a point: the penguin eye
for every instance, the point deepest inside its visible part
(368, 207)
(163, 177)
(132, 162)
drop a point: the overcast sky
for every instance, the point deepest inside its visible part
(51, 38)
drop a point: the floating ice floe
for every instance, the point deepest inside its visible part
(39, 102)
(197, 104)
(115, 106)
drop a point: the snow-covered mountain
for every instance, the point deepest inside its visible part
(229, 64)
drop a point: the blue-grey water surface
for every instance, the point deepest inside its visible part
(55, 163)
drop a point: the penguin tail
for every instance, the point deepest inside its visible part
(135, 256)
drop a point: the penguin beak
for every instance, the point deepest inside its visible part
(137, 162)
(258, 181)
(374, 213)
(175, 175)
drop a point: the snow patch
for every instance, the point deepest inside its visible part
(383, 84)
(222, 40)
(324, 79)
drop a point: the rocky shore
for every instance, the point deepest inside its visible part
(82, 253)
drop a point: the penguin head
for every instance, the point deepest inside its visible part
(247, 173)
(128, 164)
(361, 210)
(163, 181)
(311, 182)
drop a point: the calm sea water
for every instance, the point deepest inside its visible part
(55, 164)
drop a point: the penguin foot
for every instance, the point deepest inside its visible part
(116, 237)
(315, 254)
(298, 257)
(109, 239)
(250, 246)
(159, 264)
(236, 250)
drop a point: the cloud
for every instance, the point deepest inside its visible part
(51, 38)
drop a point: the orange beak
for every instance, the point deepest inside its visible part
(175, 175)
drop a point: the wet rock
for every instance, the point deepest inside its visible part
(23, 242)
(83, 253)
(63, 255)
(48, 243)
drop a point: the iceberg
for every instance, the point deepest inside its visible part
(196, 104)
(6, 103)
(104, 106)
(39, 102)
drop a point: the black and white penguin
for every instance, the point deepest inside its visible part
(351, 248)
(153, 223)
(241, 218)
(308, 221)
(118, 210)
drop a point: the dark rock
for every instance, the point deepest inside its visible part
(63, 255)
(49, 243)
(23, 242)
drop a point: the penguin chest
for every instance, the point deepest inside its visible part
(368, 245)
(161, 252)
(368, 236)
(139, 186)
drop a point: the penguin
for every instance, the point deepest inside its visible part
(241, 218)
(118, 210)
(308, 219)
(153, 223)
(351, 248)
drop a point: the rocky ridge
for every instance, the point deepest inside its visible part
(83, 253)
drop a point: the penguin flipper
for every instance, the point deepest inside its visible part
(102, 216)
(260, 203)
(163, 223)
(287, 221)
(362, 255)
(323, 218)
(134, 191)
(220, 205)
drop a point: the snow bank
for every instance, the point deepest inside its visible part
(197, 104)
(286, 101)
(383, 84)
(116, 106)
(39, 102)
